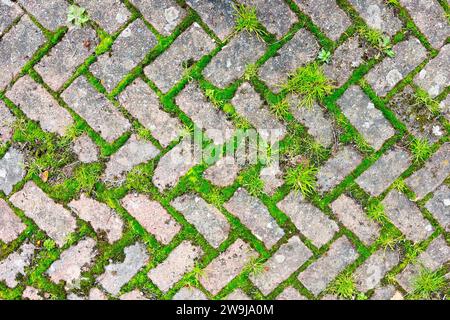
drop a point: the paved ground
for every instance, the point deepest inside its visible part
(103, 194)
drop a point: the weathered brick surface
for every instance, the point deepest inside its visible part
(11, 169)
(9, 11)
(439, 206)
(7, 120)
(51, 14)
(11, 224)
(15, 264)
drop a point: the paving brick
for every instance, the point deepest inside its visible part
(218, 15)
(347, 57)
(435, 76)
(179, 262)
(445, 107)
(12, 166)
(144, 105)
(300, 50)
(255, 216)
(223, 172)
(272, 177)
(320, 273)
(48, 215)
(285, 261)
(327, 15)
(308, 219)
(439, 206)
(109, 14)
(31, 293)
(164, 15)
(378, 15)
(98, 111)
(206, 218)
(431, 176)
(189, 294)
(152, 216)
(290, 293)
(377, 179)
(9, 12)
(97, 294)
(386, 293)
(15, 264)
(133, 296)
(51, 14)
(230, 63)
(12, 226)
(385, 75)
(430, 18)
(249, 104)
(405, 215)
(340, 165)
(85, 149)
(193, 103)
(363, 115)
(188, 48)
(370, 273)
(17, 47)
(352, 216)
(135, 151)
(39, 105)
(7, 120)
(118, 274)
(57, 67)
(237, 294)
(128, 50)
(73, 262)
(227, 266)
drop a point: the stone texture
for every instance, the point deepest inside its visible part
(164, 15)
(7, 120)
(378, 15)
(249, 104)
(58, 66)
(331, 19)
(12, 169)
(51, 14)
(340, 165)
(118, 274)
(109, 14)
(96, 295)
(12, 226)
(144, 105)
(230, 63)
(300, 50)
(435, 76)
(237, 294)
(190, 293)
(223, 172)
(206, 218)
(347, 57)
(376, 179)
(85, 149)
(290, 293)
(96, 109)
(439, 206)
(168, 68)
(31, 293)
(272, 177)
(48, 215)
(363, 115)
(385, 75)
(405, 215)
(352, 216)
(134, 295)
(179, 262)
(39, 105)
(308, 219)
(430, 18)
(386, 293)
(255, 216)
(128, 50)
(321, 272)
(15, 264)
(285, 261)
(227, 266)
(73, 262)
(193, 103)
(17, 47)
(431, 176)
(152, 216)
(370, 273)
(9, 12)
(135, 151)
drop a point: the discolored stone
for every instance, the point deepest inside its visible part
(7, 120)
(11, 225)
(439, 206)
(134, 295)
(15, 264)
(51, 14)
(31, 293)
(190, 293)
(238, 294)
(12, 169)
(152, 216)
(86, 149)
(9, 12)
(386, 293)
(48, 215)
(272, 177)
(308, 219)
(223, 172)
(206, 218)
(290, 293)
(168, 68)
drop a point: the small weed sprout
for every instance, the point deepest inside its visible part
(389, 240)
(280, 109)
(400, 185)
(302, 179)
(377, 40)
(375, 211)
(255, 267)
(77, 16)
(324, 56)
(49, 244)
(422, 98)
(421, 149)
(251, 72)
(427, 283)
(343, 286)
(247, 20)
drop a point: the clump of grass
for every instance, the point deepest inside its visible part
(427, 283)
(390, 240)
(343, 286)
(49, 244)
(302, 179)
(251, 71)
(310, 83)
(247, 20)
(400, 185)
(254, 267)
(375, 211)
(377, 40)
(211, 95)
(422, 98)
(77, 15)
(280, 109)
(314, 150)
(421, 149)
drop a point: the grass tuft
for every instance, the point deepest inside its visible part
(343, 286)
(421, 150)
(427, 283)
(375, 211)
(247, 20)
(302, 179)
